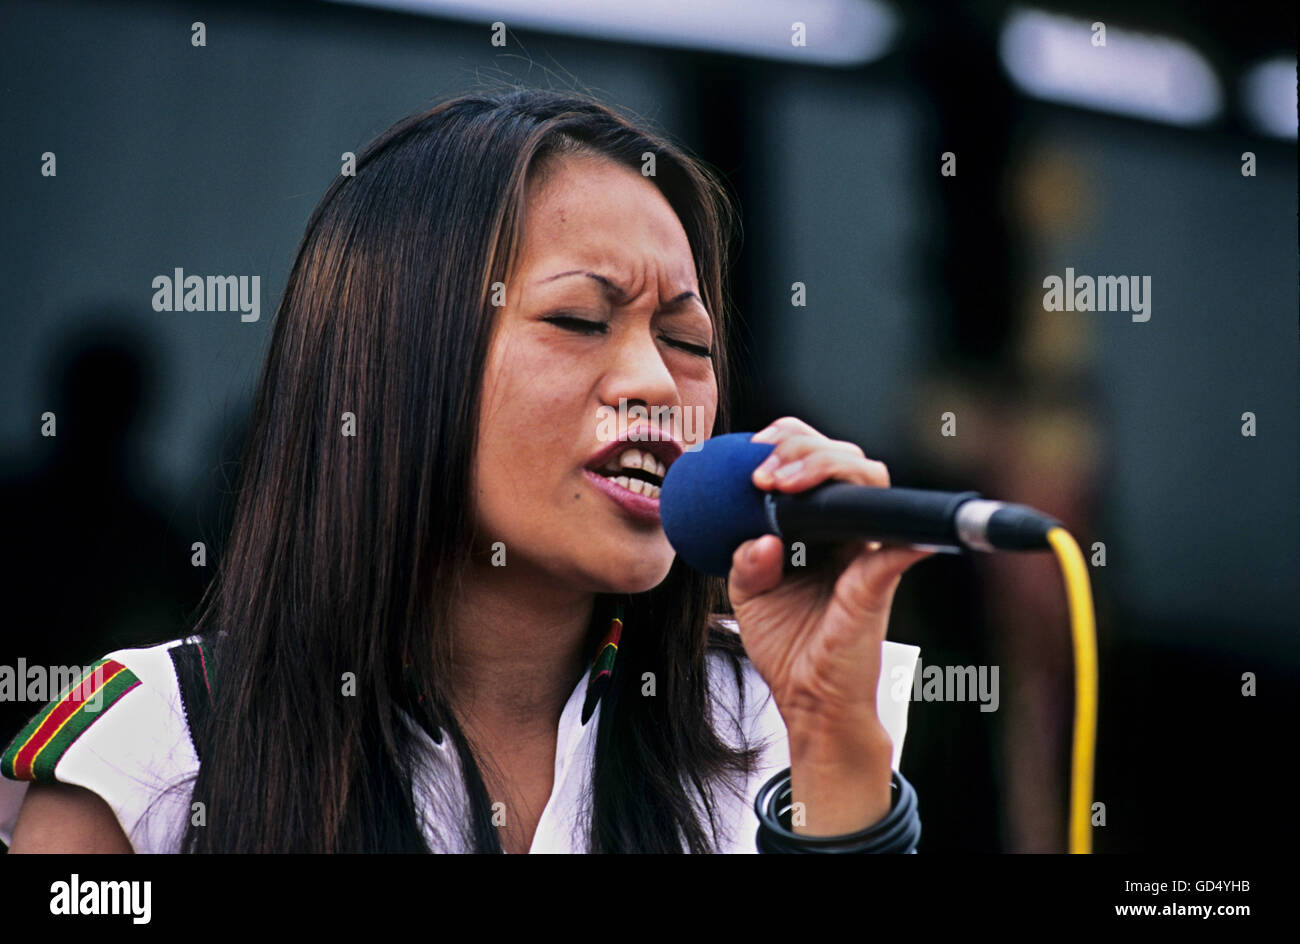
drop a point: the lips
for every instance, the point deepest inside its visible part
(665, 449)
(630, 471)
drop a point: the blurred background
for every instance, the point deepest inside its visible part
(920, 170)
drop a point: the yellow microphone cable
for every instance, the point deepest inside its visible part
(1000, 526)
(1083, 631)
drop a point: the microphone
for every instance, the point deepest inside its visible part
(709, 506)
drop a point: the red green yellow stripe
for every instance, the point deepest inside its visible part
(602, 667)
(39, 747)
(604, 663)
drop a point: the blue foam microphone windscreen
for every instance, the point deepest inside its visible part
(708, 504)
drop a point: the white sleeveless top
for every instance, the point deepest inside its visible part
(139, 746)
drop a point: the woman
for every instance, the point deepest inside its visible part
(432, 544)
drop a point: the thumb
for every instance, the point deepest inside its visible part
(756, 568)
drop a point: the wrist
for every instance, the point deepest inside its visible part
(845, 741)
(840, 777)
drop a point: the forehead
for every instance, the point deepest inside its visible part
(590, 211)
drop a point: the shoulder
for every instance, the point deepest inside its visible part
(119, 728)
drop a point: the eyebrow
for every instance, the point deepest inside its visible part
(612, 288)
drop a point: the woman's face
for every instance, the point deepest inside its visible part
(603, 308)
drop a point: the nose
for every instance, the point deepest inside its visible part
(637, 373)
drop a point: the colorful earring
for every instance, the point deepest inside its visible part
(602, 668)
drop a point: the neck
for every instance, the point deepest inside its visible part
(518, 651)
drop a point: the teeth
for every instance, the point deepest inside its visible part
(637, 486)
(637, 459)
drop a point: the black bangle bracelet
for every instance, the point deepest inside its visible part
(898, 832)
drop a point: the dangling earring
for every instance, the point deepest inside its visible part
(602, 668)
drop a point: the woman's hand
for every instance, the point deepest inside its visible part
(816, 636)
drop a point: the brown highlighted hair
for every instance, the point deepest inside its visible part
(344, 550)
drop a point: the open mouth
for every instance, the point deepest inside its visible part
(636, 470)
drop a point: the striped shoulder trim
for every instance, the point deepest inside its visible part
(38, 748)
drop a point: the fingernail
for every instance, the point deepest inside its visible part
(768, 464)
(761, 435)
(786, 471)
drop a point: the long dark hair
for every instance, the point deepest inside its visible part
(344, 550)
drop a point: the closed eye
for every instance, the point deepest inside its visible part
(690, 348)
(580, 325)
(583, 326)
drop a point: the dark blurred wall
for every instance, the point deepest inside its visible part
(919, 299)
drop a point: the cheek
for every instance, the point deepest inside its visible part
(700, 396)
(503, 420)
(533, 413)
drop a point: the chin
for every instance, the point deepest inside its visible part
(643, 586)
(628, 572)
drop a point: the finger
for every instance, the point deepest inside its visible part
(796, 448)
(816, 467)
(756, 568)
(869, 581)
(782, 432)
(783, 428)
(796, 445)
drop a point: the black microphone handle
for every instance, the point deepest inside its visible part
(841, 511)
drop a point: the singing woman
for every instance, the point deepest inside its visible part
(447, 617)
